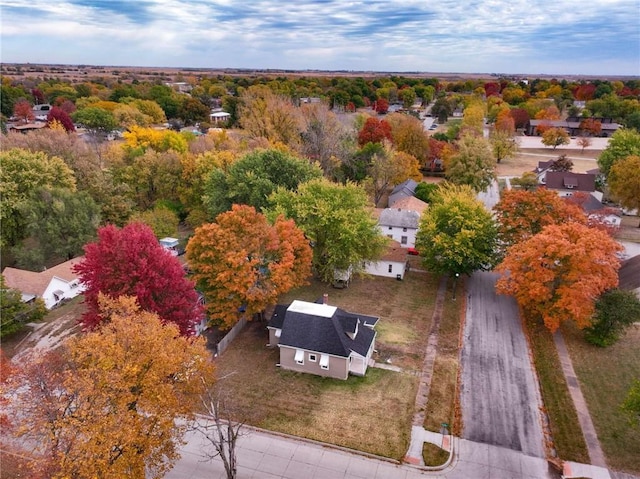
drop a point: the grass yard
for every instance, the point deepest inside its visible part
(563, 419)
(605, 375)
(442, 394)
(371, 414)
(527, 160)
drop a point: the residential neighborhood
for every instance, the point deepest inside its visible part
(333, 305)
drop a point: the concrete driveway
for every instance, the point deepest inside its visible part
(499, 393)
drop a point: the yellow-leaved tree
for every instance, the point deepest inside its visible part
(115, 402)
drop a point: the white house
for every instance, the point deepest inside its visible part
(399, 225)
(393, 263)
(53, 285)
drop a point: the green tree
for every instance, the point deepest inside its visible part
(616, 310)
(21, 174)
(97, 121)
(473, 164)
(426, 191)
(251, 179)
(457, 235)
(163, 221)
(337, 220)
(503, 145)
(14, 313)
(623, 143)
(60, 221)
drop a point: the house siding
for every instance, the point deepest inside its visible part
(66, 287)
(338, 367)
(273, 339)
(381, 268)
(396, 233)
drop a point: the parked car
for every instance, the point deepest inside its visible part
(412, 251)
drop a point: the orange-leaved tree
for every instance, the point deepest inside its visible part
(115, 402)
(242, 263)
(559, 273)
(522, 214)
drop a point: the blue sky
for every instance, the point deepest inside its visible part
(583, 37)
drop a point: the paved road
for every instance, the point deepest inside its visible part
(499, 394)
(268, 456)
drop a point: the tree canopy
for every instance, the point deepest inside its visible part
(623, 143)
(457, 235)
(624, 181)
(558, 273)
(252, 178)
(522, 214)
(473, 164)
(337, 221)
(242, 263)
(115, 402)
(131, 262)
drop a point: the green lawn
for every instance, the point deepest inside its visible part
(605, 375)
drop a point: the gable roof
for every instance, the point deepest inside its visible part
(400, 218)
(30, 282)
(395, 252)
(323, 328)
(409, 203)
(629, 274)
(403, 190)
(562, 180)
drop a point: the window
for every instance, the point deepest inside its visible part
(299, 357)
(404, 230)
(390, 268)
(313, 358)
(390, 236)
(324, 361)
(390, 227)
(403, 240)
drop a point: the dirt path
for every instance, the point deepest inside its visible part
(499, 393)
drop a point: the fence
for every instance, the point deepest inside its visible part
(230, 336)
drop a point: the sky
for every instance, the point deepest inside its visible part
(556, 37)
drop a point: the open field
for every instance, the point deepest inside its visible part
(605, 375)
(527, 160)
(371, 414)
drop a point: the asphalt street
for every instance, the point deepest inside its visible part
(499, 393)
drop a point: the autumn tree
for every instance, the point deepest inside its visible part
(324, 138)
(252, 178)
(615, 311)
(473, 164)
(555, 137)
(505, 122)
(265, 114)
(591, 126)
(57, 114)
(503, 144)
(243, 263)
(624, 181)
(130, 261)
(558, 273)
(408, 136)
(336, 219)
(115, 402)
(374, 131)
(381, 106)
(21, 174)
(162, 220)
(528, 181)
(522, 214)
(388, 168)
(584, 142)
(623, 143)
(562, 163)
(457, 235)
(473, 119)
(23, 111)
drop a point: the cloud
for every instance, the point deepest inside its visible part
(392, 35)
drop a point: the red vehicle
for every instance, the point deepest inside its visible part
(412, 251)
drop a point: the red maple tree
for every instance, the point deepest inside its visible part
(58, 114)
(374, 131)
(130, 261)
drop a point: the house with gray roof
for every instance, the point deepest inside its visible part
(317, 338)
(629, 275)
(403, 190)
(400, 225)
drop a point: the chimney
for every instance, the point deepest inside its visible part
(325, 298)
